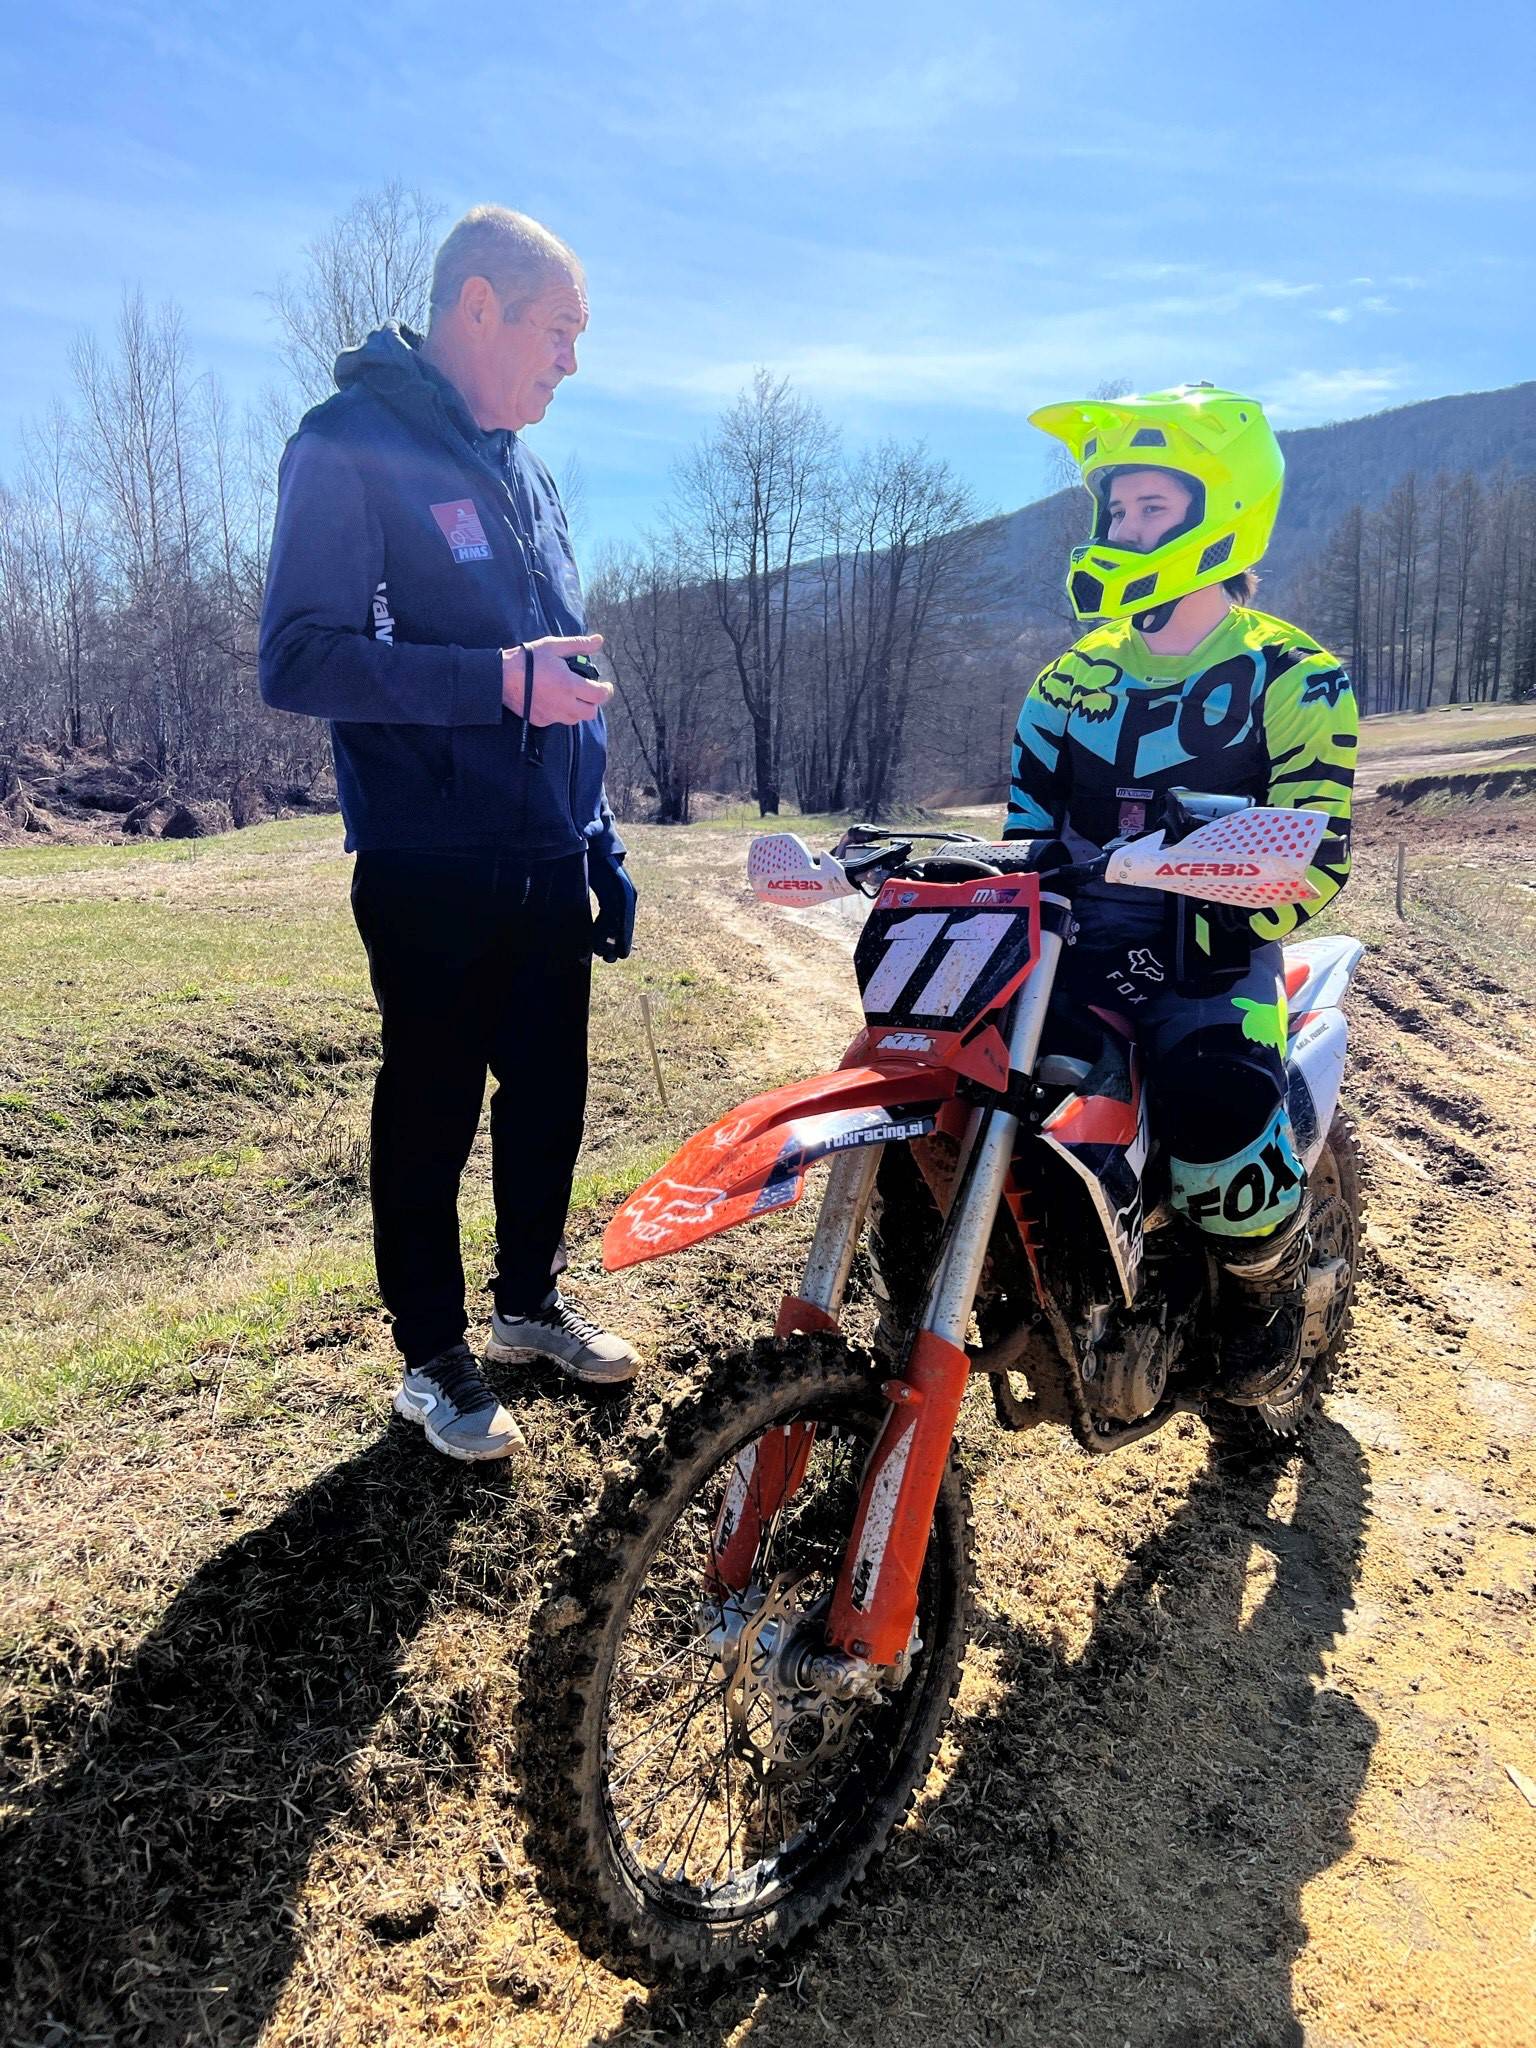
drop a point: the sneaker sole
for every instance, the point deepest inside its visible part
(618, 1375)
(490, 1456)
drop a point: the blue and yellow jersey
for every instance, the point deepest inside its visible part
(1257, 709)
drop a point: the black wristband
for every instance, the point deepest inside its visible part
(522, 745)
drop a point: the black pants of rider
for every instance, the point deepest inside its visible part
(1214, 1055)
(481, 964)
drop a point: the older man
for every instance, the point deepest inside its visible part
(422, 597)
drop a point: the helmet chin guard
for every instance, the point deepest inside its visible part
(1250, 859)
(782, 869)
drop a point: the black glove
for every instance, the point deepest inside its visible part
(1211, 939)
(613, 928)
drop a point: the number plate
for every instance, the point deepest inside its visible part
(938, 954)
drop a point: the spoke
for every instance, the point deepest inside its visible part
(699, 1806)
(725, 1746)
(672, 1783)
(694, 1707)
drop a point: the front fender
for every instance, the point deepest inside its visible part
(754, 1160)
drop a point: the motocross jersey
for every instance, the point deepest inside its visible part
(1257, 709)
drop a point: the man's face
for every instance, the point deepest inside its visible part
(1145, 505)
(530, 355)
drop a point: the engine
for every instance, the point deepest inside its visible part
(1126, 1372)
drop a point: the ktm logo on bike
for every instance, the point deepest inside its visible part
(1210, 867)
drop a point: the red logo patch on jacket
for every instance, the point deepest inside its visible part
(461, 528)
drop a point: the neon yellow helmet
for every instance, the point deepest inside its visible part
(1219, 444)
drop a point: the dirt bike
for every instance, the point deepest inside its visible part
(748, 1651)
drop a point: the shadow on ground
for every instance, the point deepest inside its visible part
(1117, 1856)
(149, 1886)
(1120, 1852)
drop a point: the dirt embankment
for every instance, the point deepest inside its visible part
(1242, 1759)
(74, 796)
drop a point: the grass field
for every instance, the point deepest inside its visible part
(188, 1042)
(1448, 728)
(1230, 1760)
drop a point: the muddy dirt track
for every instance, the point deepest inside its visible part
(1242, 1758)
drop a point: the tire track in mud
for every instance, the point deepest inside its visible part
(1414, 1895)
(1437, 1391)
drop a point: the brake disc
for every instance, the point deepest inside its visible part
(782, 1723)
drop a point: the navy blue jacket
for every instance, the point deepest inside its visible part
(410, 548)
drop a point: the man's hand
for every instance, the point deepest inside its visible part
(559, 696)
(613, 928)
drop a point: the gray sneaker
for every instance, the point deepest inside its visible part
(461, 1416)
(581, 1348)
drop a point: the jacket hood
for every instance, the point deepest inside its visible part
(390, 365)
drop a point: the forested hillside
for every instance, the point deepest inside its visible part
(809, 623)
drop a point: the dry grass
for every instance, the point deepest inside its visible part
(1229, 1758)
(183, 1098)
(1449, 728)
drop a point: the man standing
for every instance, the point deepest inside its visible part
(422, 597)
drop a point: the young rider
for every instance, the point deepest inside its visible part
(1180, 683)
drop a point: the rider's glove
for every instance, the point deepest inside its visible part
(613, 928)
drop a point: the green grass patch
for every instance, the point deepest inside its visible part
(186, 1055)
(1448, 726)
(164, 1345)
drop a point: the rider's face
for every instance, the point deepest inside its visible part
(1145, 505)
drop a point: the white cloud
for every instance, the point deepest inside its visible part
(1061, 353)
(1318, 394)
(1339, 315)
(802, 119)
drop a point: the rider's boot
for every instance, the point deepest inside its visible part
(1263, 1311)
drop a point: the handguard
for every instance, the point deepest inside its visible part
(1249, 859)
(782, 869)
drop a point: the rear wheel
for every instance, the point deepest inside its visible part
(697, 1798)
(1335, 1186)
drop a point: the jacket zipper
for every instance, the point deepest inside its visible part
(525, 550)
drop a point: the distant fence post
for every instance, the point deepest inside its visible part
(1402, 869)
(650, 1039)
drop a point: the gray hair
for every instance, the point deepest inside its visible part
(515, 256)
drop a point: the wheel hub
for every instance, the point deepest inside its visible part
(789, 1703)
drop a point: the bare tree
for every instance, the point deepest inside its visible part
(373, 264)
(880, 612)
(663, 642)
(745, 496)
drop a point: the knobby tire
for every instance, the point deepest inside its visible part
(579, 1680)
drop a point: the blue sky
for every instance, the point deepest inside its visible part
(932, 218)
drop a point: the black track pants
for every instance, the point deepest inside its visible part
(479, 964)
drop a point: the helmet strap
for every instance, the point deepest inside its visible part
(1153, 621)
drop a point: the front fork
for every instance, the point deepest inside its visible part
(875, 1601)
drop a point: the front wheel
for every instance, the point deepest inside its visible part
(695, 1800)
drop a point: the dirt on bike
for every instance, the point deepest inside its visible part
(750, 1645)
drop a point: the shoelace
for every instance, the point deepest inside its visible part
(457, 1375)
(561, 1316)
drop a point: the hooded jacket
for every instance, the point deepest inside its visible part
(410, 548)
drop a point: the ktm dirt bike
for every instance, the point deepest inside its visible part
(742, 1667)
